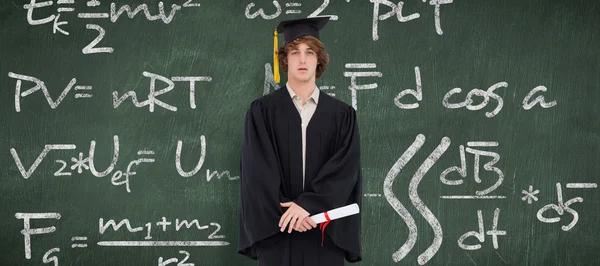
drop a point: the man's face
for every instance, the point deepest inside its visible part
(302, 63)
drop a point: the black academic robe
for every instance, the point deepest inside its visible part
(271, 170)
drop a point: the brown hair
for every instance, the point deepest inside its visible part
(314, 44)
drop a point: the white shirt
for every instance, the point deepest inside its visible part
(306, 112)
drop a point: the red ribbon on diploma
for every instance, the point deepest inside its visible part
(322, 226)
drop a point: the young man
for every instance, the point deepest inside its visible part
(300, 157)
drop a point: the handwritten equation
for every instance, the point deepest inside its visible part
(118, 177)
(81, 242)
(67, 6)
(151, 102)
(451, 100)
(252, 12)
(550, 213)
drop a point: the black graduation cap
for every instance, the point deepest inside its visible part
(293, 29)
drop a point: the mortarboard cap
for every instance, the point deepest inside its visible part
(293, 29)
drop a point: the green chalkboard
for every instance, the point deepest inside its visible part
(121, 128)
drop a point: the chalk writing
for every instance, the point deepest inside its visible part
(415, 199)
(119, 177)
(294, 8)
(397, 10)
(151, 102)
(494, 232)
(561, 207)
(153, 94)
(529, 195)
(183, 262)
(51, 256)
(114, 15)
(462, 170)
(354, 87)
(488, 96)
(40, 85)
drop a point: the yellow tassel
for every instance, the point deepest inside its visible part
(275, 59)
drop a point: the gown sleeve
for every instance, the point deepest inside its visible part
(336, 180)
(260, 179)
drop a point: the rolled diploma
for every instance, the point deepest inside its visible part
(336, 213)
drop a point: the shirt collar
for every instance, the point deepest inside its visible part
(314, 95)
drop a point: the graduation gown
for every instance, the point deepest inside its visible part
(271, 171)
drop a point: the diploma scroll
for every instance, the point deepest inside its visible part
(337, 213)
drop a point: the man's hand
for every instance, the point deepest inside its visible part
(305, 225)
(295, 216)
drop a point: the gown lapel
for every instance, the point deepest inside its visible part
(294, 141)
